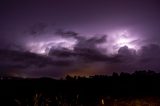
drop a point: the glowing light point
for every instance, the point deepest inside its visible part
(102, 101)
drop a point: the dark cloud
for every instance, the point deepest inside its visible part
(66, 33)
(127, 55)
(25, 62)
(150, 51)
(149, 56)
(38, 28)
(97, 39)
(85, 49)
(61, 52)
(125, 51)
(146, 58)
(62, 61)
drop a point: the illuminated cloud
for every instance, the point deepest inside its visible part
(43, 47)
(120, 38)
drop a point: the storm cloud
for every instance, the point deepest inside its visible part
(46, 38)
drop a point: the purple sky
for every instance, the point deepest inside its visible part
(54, 38)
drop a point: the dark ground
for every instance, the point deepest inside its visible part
(140, 87)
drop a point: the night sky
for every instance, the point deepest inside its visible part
(55, 38)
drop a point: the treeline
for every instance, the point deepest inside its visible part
(139, 83)
(136, 74)
(87, 89)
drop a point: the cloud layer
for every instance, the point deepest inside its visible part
(86, 58)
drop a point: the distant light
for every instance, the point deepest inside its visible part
(102, 101)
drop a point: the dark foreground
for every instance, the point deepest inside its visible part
(139, 89)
